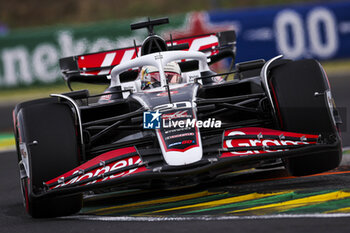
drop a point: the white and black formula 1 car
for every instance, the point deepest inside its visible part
(168, 121)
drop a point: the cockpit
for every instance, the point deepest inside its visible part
(151, 78)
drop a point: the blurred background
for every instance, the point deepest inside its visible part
(33, 13)
(35, 34)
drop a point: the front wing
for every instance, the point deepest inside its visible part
(241, 148)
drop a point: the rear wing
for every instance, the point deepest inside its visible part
(95, 67)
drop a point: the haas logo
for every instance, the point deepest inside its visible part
(175, 115)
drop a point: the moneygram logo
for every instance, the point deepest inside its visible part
(178, 119)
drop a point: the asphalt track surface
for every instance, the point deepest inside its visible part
(14, 219)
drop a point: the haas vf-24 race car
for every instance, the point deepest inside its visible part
(167, 120)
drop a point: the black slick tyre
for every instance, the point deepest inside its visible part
(46, 139)
(303, 104)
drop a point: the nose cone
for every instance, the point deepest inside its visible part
(179, 137)
(178, 158)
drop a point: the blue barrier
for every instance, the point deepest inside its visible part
(320, 31)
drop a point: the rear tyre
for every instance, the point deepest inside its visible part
(304, 104)
(51, 125)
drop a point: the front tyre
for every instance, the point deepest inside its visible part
(303, 104)
(47, 147)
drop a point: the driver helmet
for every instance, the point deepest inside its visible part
(150, 76)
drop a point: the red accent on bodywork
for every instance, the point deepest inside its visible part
(96, 60)
(14, 121)
(209, 46)
(26, 194)
(125, 162)
(262, 142)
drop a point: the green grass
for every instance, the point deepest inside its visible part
(16, 95)
(336, 67)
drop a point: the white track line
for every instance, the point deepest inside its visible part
(201, 218)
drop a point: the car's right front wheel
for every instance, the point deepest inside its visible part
(303, 104)
(47, 147)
